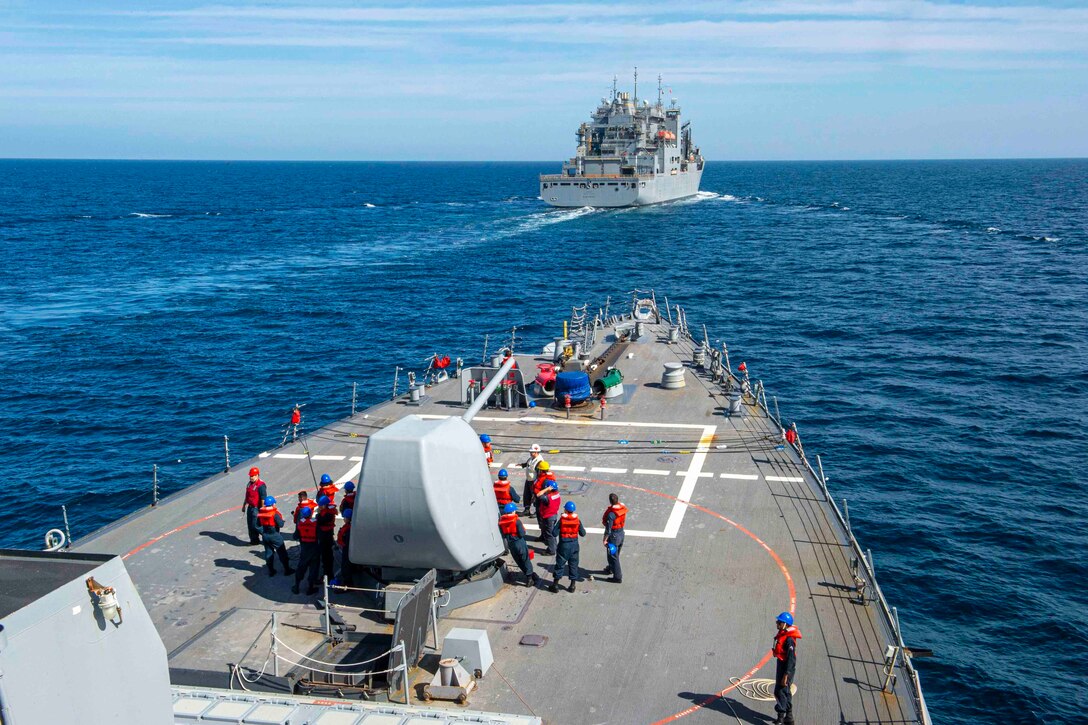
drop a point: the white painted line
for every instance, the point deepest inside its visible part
(741, 476)
(292, 456)
(650, 472)
(701, 474)
(328, 458)
(788, 479)
(608, 470)
(495, 465)
(352, 473)
(672, 528)
(570, 468)
(563, 421)
(356, 458)
(266, 454)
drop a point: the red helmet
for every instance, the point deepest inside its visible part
(254, 471)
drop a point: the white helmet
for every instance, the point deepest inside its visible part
(535, 448)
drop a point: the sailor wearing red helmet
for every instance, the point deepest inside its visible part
(256, 493)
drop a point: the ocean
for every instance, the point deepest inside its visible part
(924, 323)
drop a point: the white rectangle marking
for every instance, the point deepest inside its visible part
(329, 458)
(356, 458)
(691, 477)
(650, 472)
(627, 532)
(787, 479)
(608, 470)
(292, 456)
(741, 476)
(570, 468)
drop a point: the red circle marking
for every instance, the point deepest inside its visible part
(671, 718)
(774, 555)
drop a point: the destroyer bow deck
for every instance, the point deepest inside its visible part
(727, 527)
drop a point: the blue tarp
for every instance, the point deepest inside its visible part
(574, 384)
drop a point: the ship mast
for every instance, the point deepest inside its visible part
(659, 89)
(636, 86)
(613, 88)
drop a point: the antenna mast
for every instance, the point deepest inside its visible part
(659, 89)
(636, 85)
(613, 88)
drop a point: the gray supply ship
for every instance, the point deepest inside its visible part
(168, 616)
(631, 153)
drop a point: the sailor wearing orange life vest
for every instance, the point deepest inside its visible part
(271, 521)
(547, 511)
(304, 501)
(513, 533)
(343, 540)
(327, 488)
(485, 441)
(348, 501)
(256, 493)
(308, 556)
(326, 535)
(614, 519)
(568, 528)
(504, 492)
(784, 651)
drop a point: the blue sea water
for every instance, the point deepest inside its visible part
(925, 323)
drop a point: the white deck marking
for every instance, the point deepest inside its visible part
(741, 476)
(672, 528)
(568, 468)
(787, 479)
(703, 474)
(352, 473)
(597, 469)
(495, 465)
(292, 456)
(649, 472)
(355, 458)
(266, 454)
(563, 421)
(328, 458)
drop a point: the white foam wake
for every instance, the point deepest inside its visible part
(142, 215)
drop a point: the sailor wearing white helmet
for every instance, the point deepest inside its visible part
(530, 466)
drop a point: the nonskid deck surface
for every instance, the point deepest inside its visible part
(702, 582)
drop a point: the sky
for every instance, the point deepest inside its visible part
(459, 80)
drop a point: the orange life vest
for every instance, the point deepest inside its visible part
(326, 519)
(266, 516)
(621, 515)
(306, 503)
(502, 492)
(487, 453)
(329, 491)
(508, 524)
(542, 481)
(568, 526)
(253, 493)
(348, 502)
(341, 538)
(307, 531)
(780, 637)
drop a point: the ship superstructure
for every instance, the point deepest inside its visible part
(631, 152)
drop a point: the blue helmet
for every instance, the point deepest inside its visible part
(785, 618)
(349, 486)
(305, 512)
(323, 501)
(269, 501)
(510, 508)
(553, 484)
(569, 506)
(347, 514)
(612, 549)
(503, 473)
(485, 438)
(326, 478)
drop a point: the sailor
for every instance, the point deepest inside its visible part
(308, 556)
(513, 533)
(504, 492)
(271, 521)
(614, 519)
(348, 502)
(790, 434)
(296, 419)
(568, 528)
(785, 652)
(327, 488)
(256, 492)
(343, 540)
(531, 464)
(485, 440)
(547, 511)
(304, 501)
(326, 535)
(544, 476)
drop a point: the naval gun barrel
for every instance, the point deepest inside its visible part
(481, 399)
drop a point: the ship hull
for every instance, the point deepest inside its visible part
(577, 191)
